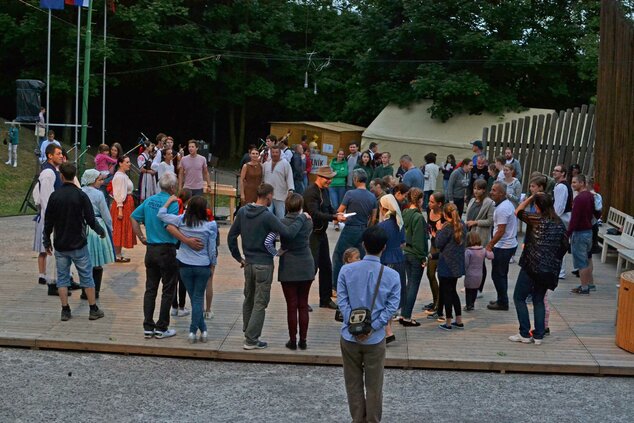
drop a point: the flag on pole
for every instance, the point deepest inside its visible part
(52, 4)
(83, 3)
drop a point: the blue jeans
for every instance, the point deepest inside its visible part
(500, 273)
(299, 186)
(524, 287)
(445, 185)
(426, 196)
(277, 208)
(195, 279)
(581, 248)
(81, 258)
(350, 237)
(414, 275)
(336, 196)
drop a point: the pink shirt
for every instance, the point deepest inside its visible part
(193, 168)
(103, 162)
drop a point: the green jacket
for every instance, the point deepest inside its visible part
(342, 173)
(368, 170)
(415, 234)
(381, 171)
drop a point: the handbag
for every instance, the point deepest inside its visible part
(360, 321)
(40, 131)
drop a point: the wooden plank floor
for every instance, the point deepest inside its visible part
(582, 339)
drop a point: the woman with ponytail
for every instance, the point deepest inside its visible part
(415, 250)
(451, 241)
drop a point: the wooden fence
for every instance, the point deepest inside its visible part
(615, 109)
(540, 142)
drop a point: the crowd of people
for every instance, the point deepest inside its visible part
(394, 229)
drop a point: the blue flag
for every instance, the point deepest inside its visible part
(52, 4)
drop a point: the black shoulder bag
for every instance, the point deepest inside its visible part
(360, 322)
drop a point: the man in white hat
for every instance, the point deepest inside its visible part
(317, 205)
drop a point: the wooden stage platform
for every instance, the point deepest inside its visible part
(582, 340)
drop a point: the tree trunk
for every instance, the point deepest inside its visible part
(243, 119)
(232, 131)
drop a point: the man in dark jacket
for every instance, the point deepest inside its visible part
(68, 213)
(317, 204)
(298, 169)
(257, 221)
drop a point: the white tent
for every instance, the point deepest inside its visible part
(412, 131)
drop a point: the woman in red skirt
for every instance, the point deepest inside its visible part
(121, 209)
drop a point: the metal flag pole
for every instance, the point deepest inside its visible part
(103, 101)
(77, 82)
(48, 69)
(86, 89)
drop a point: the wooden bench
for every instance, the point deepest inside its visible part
(625, 241)
(616, 219)
(624, 257)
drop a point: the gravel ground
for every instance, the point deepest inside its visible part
(77, 387)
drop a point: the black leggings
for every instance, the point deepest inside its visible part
(450, 296)
(180, 295)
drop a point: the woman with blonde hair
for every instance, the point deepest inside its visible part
(391, 221)
(451, 242)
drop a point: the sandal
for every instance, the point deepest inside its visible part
(411, 322)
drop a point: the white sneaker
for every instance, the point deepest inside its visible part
(174, 312)
(183, 312)
(15, 164)
(9, 162)
(159, 334)
(520, 338)
(209, 315)
(204, 337)
(537, 341)
(191, 338)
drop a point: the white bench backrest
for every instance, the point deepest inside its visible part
(616, 218)
(627, 237)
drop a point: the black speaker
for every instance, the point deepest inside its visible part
(27, 99)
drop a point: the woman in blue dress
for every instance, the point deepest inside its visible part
(101, 249)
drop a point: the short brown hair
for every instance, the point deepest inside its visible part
(480, 183)
(473, 238)
(294, 202)
(264, 190)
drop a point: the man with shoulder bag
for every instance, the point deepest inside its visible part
(369, 295)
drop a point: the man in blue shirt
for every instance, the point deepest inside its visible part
(413, 176)
(160, 257)
(363, 203)
(50, 140)
(364, 355)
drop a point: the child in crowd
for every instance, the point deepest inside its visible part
(474, 257)
(103, 161)
(351, 255)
